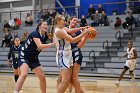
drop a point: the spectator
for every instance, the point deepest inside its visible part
(6, 26)
(83, 21)
(100, 9)
(96, 19)
(129, 21)
(6, 39)
(102, 19)
(17, 22)
(29, 20)
(118, 22)
(91, 11)
(12, 23)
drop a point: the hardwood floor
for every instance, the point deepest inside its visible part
(89, 84)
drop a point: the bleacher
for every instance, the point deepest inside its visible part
(105, 65)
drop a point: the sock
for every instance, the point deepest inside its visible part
(16, 77)
(16, 92)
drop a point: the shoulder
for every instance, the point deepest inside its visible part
(34, 34)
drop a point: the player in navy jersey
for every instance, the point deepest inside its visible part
(14, 54)
(36, 41)
(77, 54)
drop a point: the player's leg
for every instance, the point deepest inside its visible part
(121, 75)
(24, 72)
(70, 85)
(16, 71)
(40, 74)
(131, 71)
(16, 76)
(65, 74)
(75, 80)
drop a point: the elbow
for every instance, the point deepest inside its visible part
(39, 46)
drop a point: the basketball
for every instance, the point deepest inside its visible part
(92, 33)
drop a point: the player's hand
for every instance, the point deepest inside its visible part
(8, 63)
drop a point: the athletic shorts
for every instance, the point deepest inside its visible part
(130, 64)
(15, 65)
(64, 59)
(77, 56)
(32, 62)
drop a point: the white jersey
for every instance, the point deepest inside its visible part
(130, 52)
(131, 62)
(64, 53)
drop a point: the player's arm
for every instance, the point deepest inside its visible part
(82, 42)
(42, 46)
(73, 30)
(125, 55)
(135, 54)
(67, 37)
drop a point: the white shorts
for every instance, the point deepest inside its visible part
(64, 59)
(131, 64)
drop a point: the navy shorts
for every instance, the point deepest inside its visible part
(32, 62)
(77, 56)
(15, 65)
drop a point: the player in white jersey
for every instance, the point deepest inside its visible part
(131, 56)
(64, 53)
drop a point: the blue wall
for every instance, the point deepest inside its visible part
(84, 4)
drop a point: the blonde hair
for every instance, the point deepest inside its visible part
(58, 18)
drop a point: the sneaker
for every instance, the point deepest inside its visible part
(117, 83)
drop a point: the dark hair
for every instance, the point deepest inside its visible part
(71, 19)
(117, 18)
(40, 23)
(16, 38)
(130, 42)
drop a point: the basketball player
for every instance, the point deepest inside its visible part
(14, 53)
(29, 56)
(77, 55)
(131, 56)
(64, 57)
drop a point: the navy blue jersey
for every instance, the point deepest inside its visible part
(76, 52)
(29, 52)
(30, 48)
(74, 45)
(14, 53)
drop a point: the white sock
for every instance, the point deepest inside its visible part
(16, 92)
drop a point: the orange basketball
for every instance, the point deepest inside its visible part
(92, 33)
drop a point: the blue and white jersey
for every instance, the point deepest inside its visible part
(64, 53)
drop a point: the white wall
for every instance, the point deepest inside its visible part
(22, 6)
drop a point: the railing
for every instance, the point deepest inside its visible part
(120, 7)
(106, 47)
(92, 57)
(72, 10)
(119, 37)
